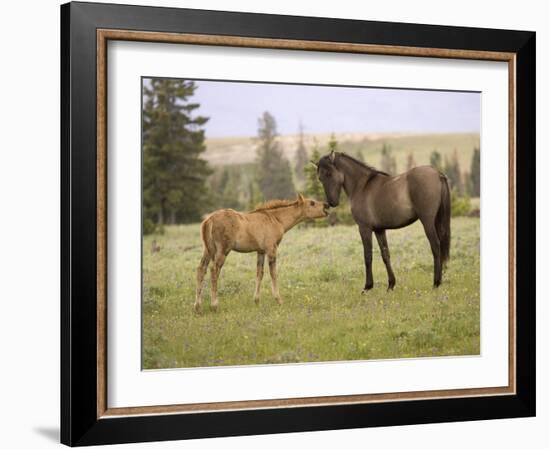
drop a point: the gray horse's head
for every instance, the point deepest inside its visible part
(331, 178)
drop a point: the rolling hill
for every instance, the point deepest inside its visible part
(241, 150)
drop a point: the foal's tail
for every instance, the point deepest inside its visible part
(443, 220)
(206, 236)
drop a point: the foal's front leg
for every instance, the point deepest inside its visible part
(366, 237)
(272, 257)
(259, 276)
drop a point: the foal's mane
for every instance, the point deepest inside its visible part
(274, 204)
(370, 167)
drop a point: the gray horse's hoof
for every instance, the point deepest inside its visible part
(367, 288)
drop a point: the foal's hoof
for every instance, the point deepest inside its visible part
(197, 308)
(214, 307)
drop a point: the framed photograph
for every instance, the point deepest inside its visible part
(282, 224)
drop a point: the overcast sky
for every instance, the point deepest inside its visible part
(234, 108)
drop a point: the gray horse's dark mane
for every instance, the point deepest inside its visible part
(363, 164)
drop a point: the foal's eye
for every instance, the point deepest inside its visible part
(312, 203)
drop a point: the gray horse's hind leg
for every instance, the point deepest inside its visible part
(366, 237)
(431, 233)
(384, 249)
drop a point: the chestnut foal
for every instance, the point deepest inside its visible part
(260, 230)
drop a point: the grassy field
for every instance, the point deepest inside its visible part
(324, 317)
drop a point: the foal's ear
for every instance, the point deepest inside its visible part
(332, 156)
(314, 164)
(300, 198)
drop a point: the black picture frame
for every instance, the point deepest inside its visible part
(80, 424)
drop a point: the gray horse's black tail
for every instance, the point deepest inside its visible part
(443, 221)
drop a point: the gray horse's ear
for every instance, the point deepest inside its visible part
(314, 164)
(332, 156)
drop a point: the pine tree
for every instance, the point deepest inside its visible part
(254, 195)
(332, 143)
(411, 163)
(388, 163)
(231, 189)
(475, 179)
(435, 160)
(454, 175)
(273, 169)
(173, 142)
(301, 155)
(313, 188)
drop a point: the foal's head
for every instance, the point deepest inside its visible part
(313, 208)
(331, 178)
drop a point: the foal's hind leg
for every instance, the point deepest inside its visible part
(259, 276)
(215, 269)
(431, 233)
(385, 251)
(201, 271)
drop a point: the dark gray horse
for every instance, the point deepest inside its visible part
(380, 201)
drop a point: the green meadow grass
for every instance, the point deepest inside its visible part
(324, 316)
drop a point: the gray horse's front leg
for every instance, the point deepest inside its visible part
(366, 237)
